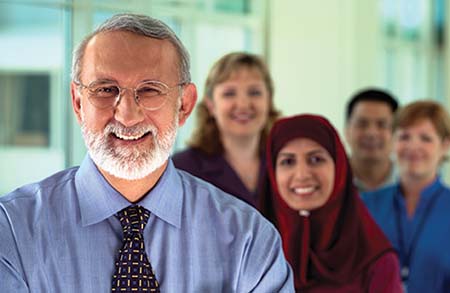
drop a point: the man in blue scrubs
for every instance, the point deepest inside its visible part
(368, 131)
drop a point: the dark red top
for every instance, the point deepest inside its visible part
(381, 276)
(216, 170)
(338, 247)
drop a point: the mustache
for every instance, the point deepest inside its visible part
(139, 129)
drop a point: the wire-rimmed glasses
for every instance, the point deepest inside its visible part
(150, 95)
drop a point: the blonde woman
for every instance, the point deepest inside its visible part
(233, 120)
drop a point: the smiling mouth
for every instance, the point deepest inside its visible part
(370, 146)
(413, 160)
(304, 190)
(130, 137)
(242, 117)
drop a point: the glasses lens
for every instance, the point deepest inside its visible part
(152, 95)
(103, 95)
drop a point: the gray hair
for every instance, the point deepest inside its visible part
(141, 25)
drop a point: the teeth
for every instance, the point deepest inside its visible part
(304, 190)
(243, 116)
(129, 137)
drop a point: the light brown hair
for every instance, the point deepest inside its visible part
(206, 136)
(424, 109)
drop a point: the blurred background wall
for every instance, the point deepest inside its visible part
(319, 53)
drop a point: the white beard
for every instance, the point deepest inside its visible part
(130, 163)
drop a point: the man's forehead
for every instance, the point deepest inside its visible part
(372, 109)
(373, 115)
(127, 52)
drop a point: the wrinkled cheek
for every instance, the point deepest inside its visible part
(95, 119)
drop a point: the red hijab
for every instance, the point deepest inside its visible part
(337, 241)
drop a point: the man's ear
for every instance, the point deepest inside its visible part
(76, 101)
(346, 132)
(188, 100)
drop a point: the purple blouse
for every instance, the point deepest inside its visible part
(216, 170)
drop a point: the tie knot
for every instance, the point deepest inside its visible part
(133, 219)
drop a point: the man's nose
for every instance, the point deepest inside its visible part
(372, 129)
(128, 112)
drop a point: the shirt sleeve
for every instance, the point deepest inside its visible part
(264, 267)
(384, 275)
(11, 276)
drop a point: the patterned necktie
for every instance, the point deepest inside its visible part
(133, 270)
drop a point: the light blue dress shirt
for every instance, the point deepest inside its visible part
(61, 235)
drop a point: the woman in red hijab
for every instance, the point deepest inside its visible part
(331, 242)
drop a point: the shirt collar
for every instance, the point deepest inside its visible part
(165, 200)
(390, 179)
(425, 194)
(432, 188)
(98, 200)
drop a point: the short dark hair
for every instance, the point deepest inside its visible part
(371, 95)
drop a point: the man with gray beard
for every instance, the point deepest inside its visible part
(126, 220)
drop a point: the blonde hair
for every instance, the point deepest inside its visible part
(206, 132)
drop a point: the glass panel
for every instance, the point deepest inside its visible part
(439, 16)
(100, 16)
(32, 100)
(25, 109)
(226, 6)
(32, 48)
(222, 39)
(121, 3)
(237, 6)
(389, 66)
(411, 18)
(414, 48)
(29, 17)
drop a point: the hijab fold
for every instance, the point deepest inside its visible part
(338, 240)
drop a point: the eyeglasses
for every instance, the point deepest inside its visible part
(150, 95)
